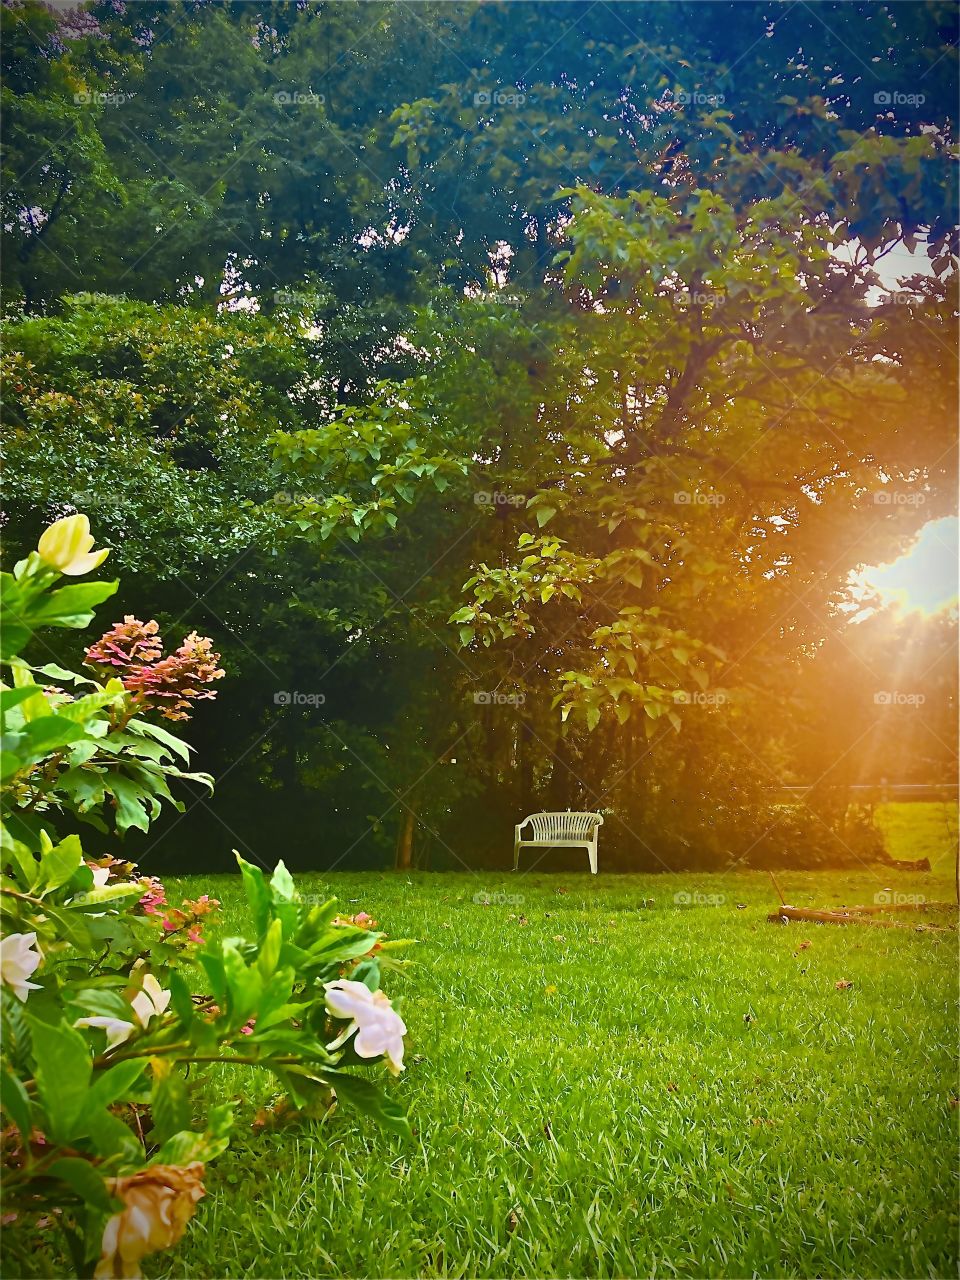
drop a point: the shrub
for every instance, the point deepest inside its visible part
(100, 1016)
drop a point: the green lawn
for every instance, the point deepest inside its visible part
(921, 831)
(604, 1086)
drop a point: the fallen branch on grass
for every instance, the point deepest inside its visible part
(903, 906)
(785, 913)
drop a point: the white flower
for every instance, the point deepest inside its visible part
(151, 1002)
(379, 1028)
(117, 1030)
(18, 961)
(100, 876)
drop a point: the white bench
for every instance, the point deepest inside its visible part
(560, 830)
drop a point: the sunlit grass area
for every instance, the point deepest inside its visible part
(605, 1080)
(920, 831)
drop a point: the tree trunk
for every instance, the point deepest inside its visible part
(404, 855)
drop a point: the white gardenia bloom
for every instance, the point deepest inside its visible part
(379, 1028)
(117, 1030)
(19, 960)
(151, 1002)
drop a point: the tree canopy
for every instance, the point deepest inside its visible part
(520, 384)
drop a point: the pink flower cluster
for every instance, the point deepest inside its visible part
(182, 924)
(132, 650)
(128, 643)
(154, 898)
(362, 920)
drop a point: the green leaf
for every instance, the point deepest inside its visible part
(184, 1148)
(244, 984)
(109, 1136)
(36, 704)
(169, 1102)
(70, 606)
(114, 1083)
(367, 972)
(83, 709)
(10, 698)
(17, 856)
(270, 949)
(366, 1097)
(129, 797)
(63, 1070)
(15, 1101)
(544, 515)
(317, 920)
(212, 964)
(281, 884)
(13, 637)
(61, 673)
(258, 894)
(59, 863)
(45, 734)
(70, 924)
(180, 1001)
(340, 944)
(100, 1002)
(106, 895)
(176, 745)
(82, 1177)
(283, 900)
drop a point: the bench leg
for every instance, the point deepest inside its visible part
(592, 855)
(516, 856)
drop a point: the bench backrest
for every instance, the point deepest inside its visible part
(564, 826)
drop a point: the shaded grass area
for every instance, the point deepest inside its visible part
(607, 1081)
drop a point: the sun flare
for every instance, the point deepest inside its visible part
(924, 579)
